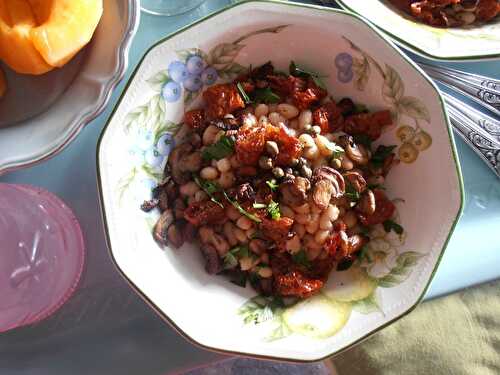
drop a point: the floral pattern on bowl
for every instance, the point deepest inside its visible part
(467, 43)
(395, 271)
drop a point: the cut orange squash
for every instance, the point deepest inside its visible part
(3, 84)
(69, 26)
(16, 48)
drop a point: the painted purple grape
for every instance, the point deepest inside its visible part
(177, 71)
(154, 158)
(171, 91)
(193, 82)
(165, 144)
(209, 76)
(343, 61)
(345, 76)
(195, 64)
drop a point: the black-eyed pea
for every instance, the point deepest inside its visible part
(293, 245)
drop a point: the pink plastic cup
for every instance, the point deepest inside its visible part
(41, 255)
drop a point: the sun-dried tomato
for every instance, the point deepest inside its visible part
(328, 117)
(222, 99)
(250, 143)
(276, 230)
(290, 147)
(370, 124)
(205, 212)
(384, 209)
(286, 85)
(332, 244)
(487, 10)
(195, 119)
(295, 284)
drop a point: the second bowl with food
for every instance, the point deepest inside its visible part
(282, 186)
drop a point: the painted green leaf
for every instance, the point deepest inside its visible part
(414, 108)
(232, 71)
(158, 80)
(185, 53)
(393, 88)
(367, 305)
(222, 56)
(190, 96)
(362, 71)
(401, 270)
(136, 116)
(389, 281)
(409, 259)
(279, 332)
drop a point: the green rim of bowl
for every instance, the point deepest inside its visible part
(416, 49)
(162, 314)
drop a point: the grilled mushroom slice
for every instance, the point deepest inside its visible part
(328, 183)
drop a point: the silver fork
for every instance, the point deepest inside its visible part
(483, 90)
(480, 131)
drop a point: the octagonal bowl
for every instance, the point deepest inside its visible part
(426, 186)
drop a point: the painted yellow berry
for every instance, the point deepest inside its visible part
(408, 153)
(405, 133)
(422, 141)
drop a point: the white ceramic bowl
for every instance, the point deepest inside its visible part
(40, 115)
(477, 42)
(209, 310)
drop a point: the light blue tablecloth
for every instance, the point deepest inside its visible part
(106, 329)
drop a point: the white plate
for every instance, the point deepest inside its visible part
(41, 115)
(473, 43)
(209, 310)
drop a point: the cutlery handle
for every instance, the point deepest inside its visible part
(483, 90)
(487, 147)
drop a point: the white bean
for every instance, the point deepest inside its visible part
(311, 153)
(294, 124)
(223, 165)
(263, 120)
(303, 209)
(209, 173)
(246, 263)
(305, 118)
(200, 195)
(261, 110)
(265, 272)
(347, 163)
(287, 212)
(299, 229)
(275, 118)
(293, 244)
(333, 212)
(302, 218)
(229, 233)
(226, 180)
(209, 134)
(350, 219)
(325, 224)
(273, 107)
(326, 148)
(232, 213)
(244, 223)
(315, 209)
(234, 161)
(249, 120)
(321, 236)
(312, 226)
(288, 111)
(189, 189)
(240, 235)
(307, 140)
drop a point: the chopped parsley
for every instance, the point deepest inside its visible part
(266, 95)
(351, 193)
(208, 187)
(392, 225)
(241, 209)
(274, 210)
(232, 256)
(364, 140)
(381, 154)
(273, 185)
(219, 150)
(300, 258)
(298, 71)
(243, 94)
